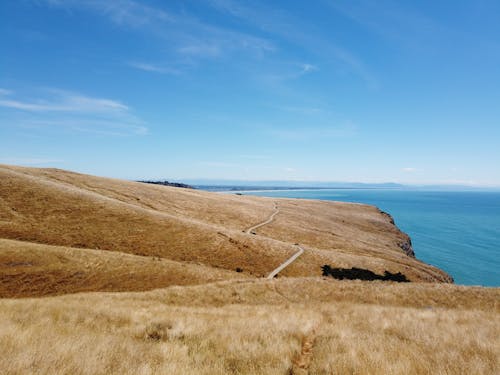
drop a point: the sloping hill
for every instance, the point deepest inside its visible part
(45, 211)
(61, 208)
(33, 270)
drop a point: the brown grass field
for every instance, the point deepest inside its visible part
(104, 276)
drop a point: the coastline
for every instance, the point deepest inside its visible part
(439, 223)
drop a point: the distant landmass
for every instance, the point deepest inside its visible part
(290, 184)
(167, 183)
(242, 185)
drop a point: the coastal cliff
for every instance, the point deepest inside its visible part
(405, 245)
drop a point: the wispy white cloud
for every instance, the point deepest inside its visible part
(409, 169)
(101, 126)
(201, 49)
(122, 12)
(147, 67)
(295, 30)
(5, 92)
(205, 41)
(187, 36)
(279, 73)
(64, 101)
(306, 68)
(190, 38)
(60, 109)
(395, 21)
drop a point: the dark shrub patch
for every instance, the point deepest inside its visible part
(361, 274)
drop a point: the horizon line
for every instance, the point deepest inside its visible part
(236, 182)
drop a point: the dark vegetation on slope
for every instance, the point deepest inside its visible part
(361, 274)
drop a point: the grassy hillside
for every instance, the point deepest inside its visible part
(192, 298)
(33, 270)
(61, 208)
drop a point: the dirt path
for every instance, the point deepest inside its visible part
(289, 260)
(286, 263)
(271, 218)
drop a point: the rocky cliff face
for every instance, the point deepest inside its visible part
(407, 247)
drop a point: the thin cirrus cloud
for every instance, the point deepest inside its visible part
(74, 111)
(154, 68)
(69, 104)
(409, 169)
(188, 37)
(122, 12)
(201, 49)
(192, 40)
(278, 73)
(306, 68)
(292, 29)
(92, 125)
(397, 22)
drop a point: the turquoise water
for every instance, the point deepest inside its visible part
(458, 232)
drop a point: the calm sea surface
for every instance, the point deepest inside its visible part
(458, 232)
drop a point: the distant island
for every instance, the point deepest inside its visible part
(167, 183)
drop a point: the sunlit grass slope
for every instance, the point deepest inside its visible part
(29, 269)
(61, 208)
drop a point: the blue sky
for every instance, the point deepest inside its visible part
(370, 91)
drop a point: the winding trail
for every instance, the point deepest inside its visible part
(271, 218)
(286, 263)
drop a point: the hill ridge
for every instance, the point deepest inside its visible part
(61, 208)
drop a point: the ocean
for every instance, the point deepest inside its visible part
(458, 232)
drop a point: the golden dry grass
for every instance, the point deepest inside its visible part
(40, 210)
(257, 327)
(63, 232)
(33, 270)
(69, 209)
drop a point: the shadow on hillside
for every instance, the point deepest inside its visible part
(361, 274)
